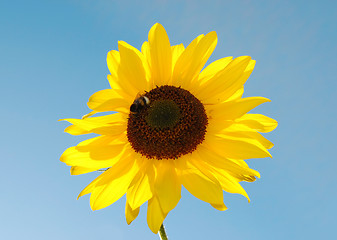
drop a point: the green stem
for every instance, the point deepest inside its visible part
(162, 233)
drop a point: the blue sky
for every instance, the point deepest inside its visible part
(52, 58)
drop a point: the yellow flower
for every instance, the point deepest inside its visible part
(175, 126)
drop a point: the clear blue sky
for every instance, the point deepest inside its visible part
(52, 58)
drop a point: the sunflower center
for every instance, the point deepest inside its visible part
(163, 114)
(173, 123)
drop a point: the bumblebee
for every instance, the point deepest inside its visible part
(139, 103)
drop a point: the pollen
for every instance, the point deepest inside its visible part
(172, 125)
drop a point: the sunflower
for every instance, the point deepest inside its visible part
(173, 124)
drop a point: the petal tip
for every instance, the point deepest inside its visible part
(156, 25)
(79, 195)
(213, 33)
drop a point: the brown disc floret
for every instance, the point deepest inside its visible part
(172, 124)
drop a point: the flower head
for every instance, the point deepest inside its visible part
(175, 126)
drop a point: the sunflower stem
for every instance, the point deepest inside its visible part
(162, 233)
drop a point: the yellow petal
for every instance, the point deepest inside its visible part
(112, 124)
(193, 59)
(130, 214)
(161, 55)
(221, 207)
(147, 60)
(107, 119)
(88, 189)
(254, 135)
(140, 189)
(236, 147)
(155, 215)
(233, 167)
(213, 69)
(239, 84)
(216, 125)
(243, 131)
(237, 95)
(227, 81)
(146, 52)
(108, 100)
(177, 50)
(131, 73)
(246, 178)
(89, 114)
(121, 88)
(236, 109)
(93, 156)
(113, 61)
(258, 122)
(101, 141)
(76, 170)
(115, 129)
(167, 186)
(115, 184)
(75, 130)
(202, 186)
(227, 181)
